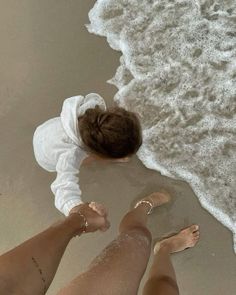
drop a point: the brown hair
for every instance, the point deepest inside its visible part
(114, 133)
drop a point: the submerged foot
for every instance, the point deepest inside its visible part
(158, 198)
(186, 238)
(155, 199)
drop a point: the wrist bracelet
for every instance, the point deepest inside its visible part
(85, 226)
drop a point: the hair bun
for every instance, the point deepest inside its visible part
(95, 117)
(112, 133)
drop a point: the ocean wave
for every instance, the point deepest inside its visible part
(178, 72)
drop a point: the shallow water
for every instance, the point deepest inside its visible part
(178, 72)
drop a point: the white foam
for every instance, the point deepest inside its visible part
(178, 71)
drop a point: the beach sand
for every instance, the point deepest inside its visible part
(46, 55)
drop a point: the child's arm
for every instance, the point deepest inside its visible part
(65, 187)
(67, 192)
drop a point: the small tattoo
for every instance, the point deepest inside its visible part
(41, 274)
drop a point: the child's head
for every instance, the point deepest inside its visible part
(114, 133)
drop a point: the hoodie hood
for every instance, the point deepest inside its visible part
(75, 107)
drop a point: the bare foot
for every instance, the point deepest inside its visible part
(154, 200)
(186, 238)
(158, 198)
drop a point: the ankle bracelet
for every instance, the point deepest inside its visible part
(147, 202)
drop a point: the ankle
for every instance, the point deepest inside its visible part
(145, 207)
(163, 248)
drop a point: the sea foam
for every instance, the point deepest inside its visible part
(178, 71)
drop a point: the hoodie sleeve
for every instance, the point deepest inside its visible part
(65, 187)
(93, 99)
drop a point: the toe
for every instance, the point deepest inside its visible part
(157, 247)
(194, 228)
(196, 234)
(196, 239)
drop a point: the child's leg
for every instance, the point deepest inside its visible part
(118, 270)
(162, 278)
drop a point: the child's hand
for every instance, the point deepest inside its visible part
(99, 208)
(102, 211)
(95, 220)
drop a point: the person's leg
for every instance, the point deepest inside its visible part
(162, 278)
(29, 268)
(119, 268)
(138, 218)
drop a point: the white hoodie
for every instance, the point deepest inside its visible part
(57, 147)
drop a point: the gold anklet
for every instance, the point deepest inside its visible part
(147, 202)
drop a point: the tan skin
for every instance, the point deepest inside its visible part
(30, 268)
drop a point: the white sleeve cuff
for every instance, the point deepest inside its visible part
(69, 205)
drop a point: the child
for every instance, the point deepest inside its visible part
(84, 129)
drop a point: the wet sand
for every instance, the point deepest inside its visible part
(46, 55)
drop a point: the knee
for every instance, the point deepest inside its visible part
(137, 229)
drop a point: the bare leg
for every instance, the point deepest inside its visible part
(29, 268)
(120, 267)
(162, 278)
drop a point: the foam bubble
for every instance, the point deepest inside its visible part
(178, 71)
